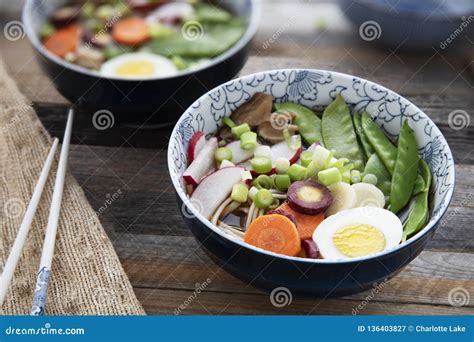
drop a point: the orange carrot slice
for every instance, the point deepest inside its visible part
(305, 224)
(274, 233)
(63, 41)
(131, 31)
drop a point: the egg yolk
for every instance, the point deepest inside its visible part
(136, 68)
(358, 240)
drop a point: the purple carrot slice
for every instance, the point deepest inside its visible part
(308, 197)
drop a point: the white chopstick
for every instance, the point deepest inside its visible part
(41, 288)
(22, 234)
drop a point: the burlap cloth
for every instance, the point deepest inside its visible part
(87, 277)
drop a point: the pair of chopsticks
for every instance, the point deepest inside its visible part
(41, 288)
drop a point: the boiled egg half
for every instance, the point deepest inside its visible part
(140, 65)
(358, 232)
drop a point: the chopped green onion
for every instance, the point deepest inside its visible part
(275, 204)
(329, 159)
(355, 176)
(46, 30)
(293, 141)
(261, 164)
(312, 170)
(346, 177)
(228, 121)
(296, 172)
(329, 176)
(239, 193)
(263, 151)
(248, 140)
(355, 173)
(282, 182)
(158, 30)
(252, 192)
(339, 163)
(282, 165)
(240, 129)
(223, 153)
(263, 198)
(346, 168)
(306, 158)
(263, 182)
(226, 163)
(370, 178)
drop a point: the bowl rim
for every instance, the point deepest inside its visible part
(196, 215)
(252, 27)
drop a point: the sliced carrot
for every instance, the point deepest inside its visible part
(63, 41)
(274, 233)
(131, 31)
(305, 224)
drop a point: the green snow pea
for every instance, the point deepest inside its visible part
(309, 124)
(419, 185)
(419, 212)
(376, 167)
(214, 40)
(339, 135)
(379, 141)
(366, 146)
(406, 169)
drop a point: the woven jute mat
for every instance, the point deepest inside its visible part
(87, 277)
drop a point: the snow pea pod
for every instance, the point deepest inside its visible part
(406, 169)
(376, 167)
(339, 135)
(419, 212)
(379, 141)
(368, 149)
(419, 185)
(309, 124)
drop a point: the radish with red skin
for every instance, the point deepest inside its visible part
(203, 164)
(311, 249)
(214, 189)
(308, 197)
(196, 144)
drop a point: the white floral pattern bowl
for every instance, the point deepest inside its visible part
(315, 89)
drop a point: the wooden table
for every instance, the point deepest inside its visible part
(159, 254)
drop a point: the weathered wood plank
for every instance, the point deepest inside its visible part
(166, 301)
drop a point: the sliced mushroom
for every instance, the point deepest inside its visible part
(89, 57)
(255, 111)
(274, 134)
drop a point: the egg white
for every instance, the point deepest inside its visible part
(385, 221)
(163, 67)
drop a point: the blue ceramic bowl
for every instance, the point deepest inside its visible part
(150, 102)
(411, 24)
(313, 88)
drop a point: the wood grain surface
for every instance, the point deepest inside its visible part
(158, 252)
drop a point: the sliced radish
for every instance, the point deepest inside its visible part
(214, 189)
(196, 144)
(282, 150)
(368, 195)
(343, 197)
(203, 163)
(238, 154)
